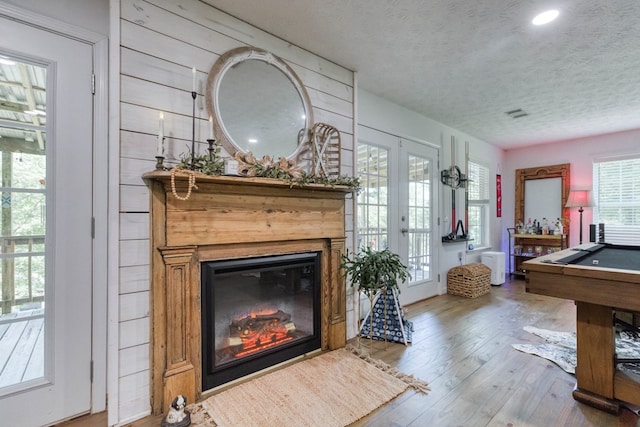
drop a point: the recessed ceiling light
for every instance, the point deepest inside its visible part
(545, 17)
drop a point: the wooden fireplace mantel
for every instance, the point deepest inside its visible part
(226, 218)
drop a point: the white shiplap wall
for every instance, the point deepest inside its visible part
(161, 40)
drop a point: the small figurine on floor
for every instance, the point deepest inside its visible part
(177, 415)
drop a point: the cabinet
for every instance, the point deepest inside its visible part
(526, 246)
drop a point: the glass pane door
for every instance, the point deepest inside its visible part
(397, 203)
(418, 205)
(45, 83)
(373, 200)
(419, 208)
(23, 224)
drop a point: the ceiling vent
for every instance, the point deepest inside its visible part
(516, 114)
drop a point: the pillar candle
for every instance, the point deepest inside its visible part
(193, 86)
(160, 148)
(211, 134)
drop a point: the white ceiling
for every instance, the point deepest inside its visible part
(465, 63)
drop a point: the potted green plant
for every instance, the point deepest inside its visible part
(374, 273)
(372, 270)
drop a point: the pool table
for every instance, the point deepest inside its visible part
(601, 279)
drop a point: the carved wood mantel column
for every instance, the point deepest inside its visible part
(231, 218)
(176, 309)
(338, 317)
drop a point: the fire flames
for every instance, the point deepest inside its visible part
(260, 330)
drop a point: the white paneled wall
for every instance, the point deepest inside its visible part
(161, 40)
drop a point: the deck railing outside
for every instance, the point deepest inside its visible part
(22, 261)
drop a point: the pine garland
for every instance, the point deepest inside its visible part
(267, 167)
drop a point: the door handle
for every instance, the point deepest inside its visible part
(404, 231)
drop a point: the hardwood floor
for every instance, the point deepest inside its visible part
(462, 347)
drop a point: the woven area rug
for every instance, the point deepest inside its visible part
(333, 389)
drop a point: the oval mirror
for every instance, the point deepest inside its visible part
(258, 104)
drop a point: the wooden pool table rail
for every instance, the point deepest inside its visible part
(597, 291)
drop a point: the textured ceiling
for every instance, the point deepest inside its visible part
(466, 63)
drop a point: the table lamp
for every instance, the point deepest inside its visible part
(579, 199)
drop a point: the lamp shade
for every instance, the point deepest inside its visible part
(579, 199)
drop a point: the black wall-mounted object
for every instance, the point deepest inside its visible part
(599, 237)
(453, 177)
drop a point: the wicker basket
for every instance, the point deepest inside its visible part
(469, 280)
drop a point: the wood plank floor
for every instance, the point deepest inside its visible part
(21, 346)
(462, 347)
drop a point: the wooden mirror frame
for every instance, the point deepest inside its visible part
(543, 172)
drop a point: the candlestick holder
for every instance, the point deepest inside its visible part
(159, 163)
(211, 148)
(193, 131)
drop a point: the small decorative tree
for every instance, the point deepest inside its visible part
(374, 272)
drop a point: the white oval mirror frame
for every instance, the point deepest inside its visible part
(256, 105)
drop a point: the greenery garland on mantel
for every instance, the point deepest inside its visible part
(248, 166)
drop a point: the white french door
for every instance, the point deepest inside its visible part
(398, 205)
(58, 70)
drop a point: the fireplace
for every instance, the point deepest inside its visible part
(224, 223)
(258, 312)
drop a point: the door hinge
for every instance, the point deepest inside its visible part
(93, 227)
(93, 84)
(438, 220)
(438, 277)
(91, 371)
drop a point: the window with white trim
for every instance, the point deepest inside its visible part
(478, 190)
(373, 200)
(616, 193)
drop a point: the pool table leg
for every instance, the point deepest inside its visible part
(595, 369)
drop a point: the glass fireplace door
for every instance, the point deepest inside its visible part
(258, 312)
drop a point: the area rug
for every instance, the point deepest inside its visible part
(335, 388)
(560, 348)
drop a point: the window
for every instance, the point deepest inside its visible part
(478, 191)
(419, 204)
(373, 200)
(616, 193)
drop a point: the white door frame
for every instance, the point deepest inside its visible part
(366, 134)
(100, 186)
(429, 287)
